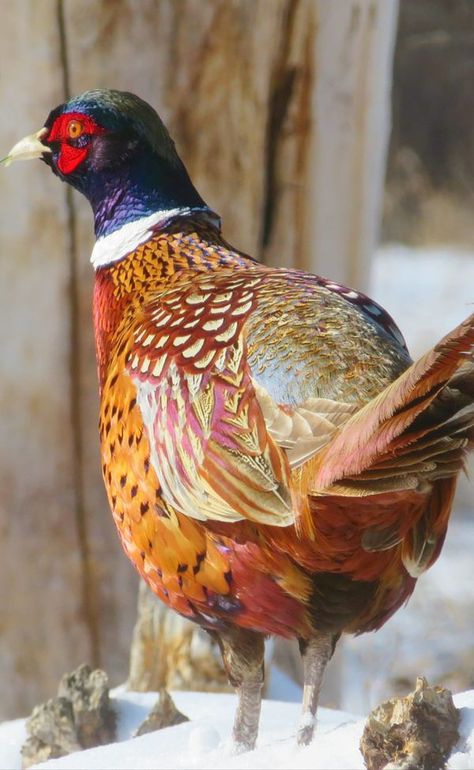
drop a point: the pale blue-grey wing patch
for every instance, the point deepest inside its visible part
(311, 338)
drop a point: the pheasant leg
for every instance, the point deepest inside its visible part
(316, 653)
(242, 654)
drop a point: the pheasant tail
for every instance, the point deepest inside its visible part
(419, 426)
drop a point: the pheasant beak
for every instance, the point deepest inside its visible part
(28, 148)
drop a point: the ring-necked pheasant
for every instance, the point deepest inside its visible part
(274, 461)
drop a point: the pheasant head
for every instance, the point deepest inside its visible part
(113, 147)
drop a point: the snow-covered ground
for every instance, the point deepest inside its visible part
(427, 292)
(204, 741)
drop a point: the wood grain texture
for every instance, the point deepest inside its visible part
(44, 629)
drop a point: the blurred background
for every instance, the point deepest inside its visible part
(331, 135)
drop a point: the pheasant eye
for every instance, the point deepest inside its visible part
(74, 129)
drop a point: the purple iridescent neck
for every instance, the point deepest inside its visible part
(124, 194)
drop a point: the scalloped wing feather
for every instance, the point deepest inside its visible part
(212, 453)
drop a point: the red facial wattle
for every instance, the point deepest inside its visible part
(71, 157)
(65, 130)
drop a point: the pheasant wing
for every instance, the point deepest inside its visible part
(210, 447)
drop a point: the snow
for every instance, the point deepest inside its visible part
(427, 292)
(204, 742)
(12, 736)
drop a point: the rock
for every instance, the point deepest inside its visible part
(94, 717)
(416, 732)
(51, 732)
(163, 714)
(80, 717)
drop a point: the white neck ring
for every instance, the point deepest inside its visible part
(115, 246)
